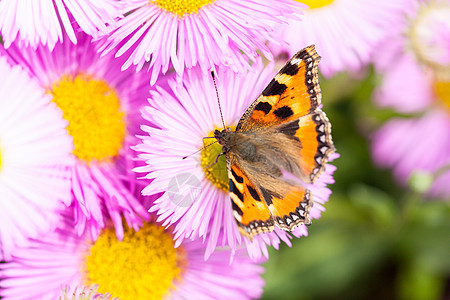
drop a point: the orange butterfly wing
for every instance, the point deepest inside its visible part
(249, 208)
(293, 93)
(290, 105)
(256, 210)
(291, 210)
(291, 102)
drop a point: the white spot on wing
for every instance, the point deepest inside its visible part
(295, 61)
(237, 216)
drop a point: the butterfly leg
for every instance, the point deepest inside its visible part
(217, 158)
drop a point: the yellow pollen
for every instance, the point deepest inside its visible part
(0, 158)
(181, 7)
(215, 172)
(316, 3)
(442, 89)
(142, 266)
(96, 122)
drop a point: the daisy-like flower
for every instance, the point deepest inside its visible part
(45, 22)
(35, 158)
(416, 144)
(145, 265)
(415, 62)
(101, 105)
(208, 33)
(196, 198)
(344, 31)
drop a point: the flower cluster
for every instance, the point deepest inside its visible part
(107, 188)
(415, 62)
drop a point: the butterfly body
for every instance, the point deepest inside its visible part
(283, 132)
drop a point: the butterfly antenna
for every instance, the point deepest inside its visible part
(218, 100)
(184, 157)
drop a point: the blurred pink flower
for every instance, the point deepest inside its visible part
(178, 119)
(416, 79)
(101, 104)
(144, 266)
(416, 144)
(344, 31)
(205, 33)
(45, 22)
(35, 159)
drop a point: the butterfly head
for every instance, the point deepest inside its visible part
(222, 136)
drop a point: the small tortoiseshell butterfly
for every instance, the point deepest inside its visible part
(283, 130)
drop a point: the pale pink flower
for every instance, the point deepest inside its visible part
(414, 60)
(144, 265)
(46, 22)
(35, 158)
(345, 32)
(208, 33)
(102, 104)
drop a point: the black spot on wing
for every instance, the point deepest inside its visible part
(283, 112)
(274, 88)
(290, 69)
(290, 129)
(302, 54)
(254, 193)
(234, 190)
(264, 107)
(267, 196)
(236, 208)
(237, 177)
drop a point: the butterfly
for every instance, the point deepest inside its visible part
(284, 131)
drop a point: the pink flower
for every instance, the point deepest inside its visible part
(46, 22)
(416, 144)
(345, 32)
(101, 104)
(196, 202)
(34, 159)
(416, 73)
(145, 265)
(183, 34)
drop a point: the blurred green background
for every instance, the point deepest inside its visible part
(376, 239)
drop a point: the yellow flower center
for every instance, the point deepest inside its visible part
(442, 89)
(142, 266)
(316, 3)
(96, 122)
(181, 7)
(216, 172)
(429, 33)
(0, 158)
